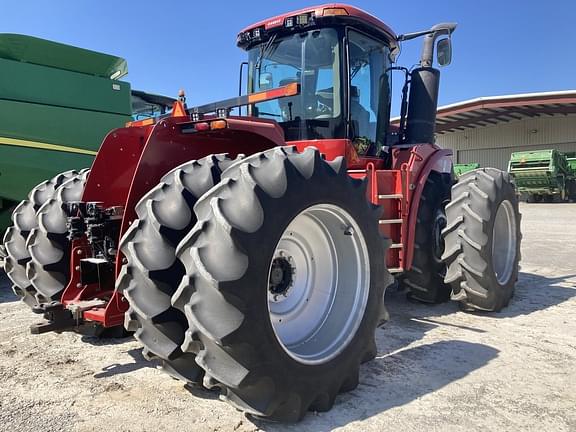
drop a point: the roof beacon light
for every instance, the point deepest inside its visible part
(334, 11)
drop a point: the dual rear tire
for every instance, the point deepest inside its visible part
(467, 246)
(482, 240)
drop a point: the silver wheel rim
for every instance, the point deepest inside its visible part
(504, 242)
(317, 312)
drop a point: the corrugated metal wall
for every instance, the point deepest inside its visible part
(492, 145)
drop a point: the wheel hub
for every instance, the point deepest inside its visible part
(439, 224)
(281, 276)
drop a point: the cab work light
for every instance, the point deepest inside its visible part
(302, 19)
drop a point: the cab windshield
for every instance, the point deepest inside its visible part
(311, 59)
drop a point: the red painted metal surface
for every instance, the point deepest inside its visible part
(333, 148)
(112, 170)
(398, 191)
(75, 293)
(74, 289)
(132, 161)
(415, 165)
(167, 147)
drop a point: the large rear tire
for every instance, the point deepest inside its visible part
(482, 240)
(24, 219)
(152, 272)
(284, 283)
(425, 279)
(49, 267)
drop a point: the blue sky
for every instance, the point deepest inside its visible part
(500, 47)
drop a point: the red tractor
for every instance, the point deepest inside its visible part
(251, 252)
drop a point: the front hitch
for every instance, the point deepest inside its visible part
(60, 318)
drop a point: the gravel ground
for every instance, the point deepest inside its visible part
(437, 368)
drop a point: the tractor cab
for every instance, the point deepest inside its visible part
(340, 58)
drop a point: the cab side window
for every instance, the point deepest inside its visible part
(369, 92)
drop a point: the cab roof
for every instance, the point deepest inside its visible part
(348, 12)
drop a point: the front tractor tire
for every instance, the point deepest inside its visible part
(284, 283)
(482, 240)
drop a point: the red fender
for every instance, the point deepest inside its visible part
(417, 165)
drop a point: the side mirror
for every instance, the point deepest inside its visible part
(444, 52)
(265, 81)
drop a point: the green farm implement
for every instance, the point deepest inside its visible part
(57, 103)
(460, 169)
(544, 175)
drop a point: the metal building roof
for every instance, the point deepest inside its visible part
(485, 111)
(491, 110)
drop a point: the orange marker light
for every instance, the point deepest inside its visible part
(145, 122)
(334, 11)
(218, 124)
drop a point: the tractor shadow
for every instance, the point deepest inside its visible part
(139, 362)
(395, 379)
(535, 292)
(407, 368)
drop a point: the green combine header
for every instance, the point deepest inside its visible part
(544, 175)
(57, 103)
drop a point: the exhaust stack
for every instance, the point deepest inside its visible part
(424, 86)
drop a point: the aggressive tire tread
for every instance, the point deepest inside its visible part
(468, 239)
(224, 293)
(48, 269)
(24, 219)
(152, 272)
